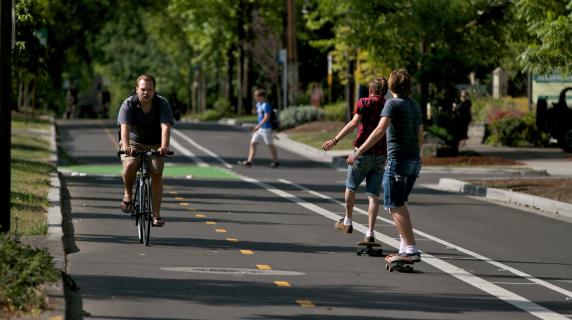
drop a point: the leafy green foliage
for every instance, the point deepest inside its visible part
(548, 21)
(23, 270)
(440, 133)
(516, 130)
(293, 116)
(29, 56)
(336, 111)
(438, 42)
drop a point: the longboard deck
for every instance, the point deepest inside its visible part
(369, 248)
(398, 263)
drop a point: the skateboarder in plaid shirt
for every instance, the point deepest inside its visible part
(402, 118)
(369, 165)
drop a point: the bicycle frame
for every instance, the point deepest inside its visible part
(142, 198)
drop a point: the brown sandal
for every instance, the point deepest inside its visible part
(158, 222)
(126, 206)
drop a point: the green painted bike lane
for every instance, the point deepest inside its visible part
(171, 171)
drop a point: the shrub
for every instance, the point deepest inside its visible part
(482, 107)
(336, 111)
(23, 270)
(222, 105)
(209, 115)
(515, 129)
(294, 116)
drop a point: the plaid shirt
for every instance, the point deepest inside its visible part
(370, 110)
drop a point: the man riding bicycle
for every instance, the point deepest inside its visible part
(145, 119)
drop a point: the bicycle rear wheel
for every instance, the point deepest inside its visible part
(146, 212)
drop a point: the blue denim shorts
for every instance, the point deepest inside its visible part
(368, 167)
(398, 180)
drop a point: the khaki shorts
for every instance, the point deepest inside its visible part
(262, 135)
(156, 164)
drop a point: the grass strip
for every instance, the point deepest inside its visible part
(29, 175)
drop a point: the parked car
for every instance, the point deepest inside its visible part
(556, 120)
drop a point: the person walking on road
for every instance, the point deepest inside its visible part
(369, 165)
(402, 118)
(145, 119)
(262, 132)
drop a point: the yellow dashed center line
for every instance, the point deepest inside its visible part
(200, 215)
(263, 267)
(220, 230)
(184, 204)
(179, 198)
(210, 222)
(232, 239)
(305, 303)
(173, 192)
(282, 283)
(246, 251)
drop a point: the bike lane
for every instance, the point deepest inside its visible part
(291, 262)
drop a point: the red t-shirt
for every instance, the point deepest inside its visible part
(370, 110)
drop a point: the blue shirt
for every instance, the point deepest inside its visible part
(263, 108)
(402, 133)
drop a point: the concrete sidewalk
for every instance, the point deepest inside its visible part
(553, 160)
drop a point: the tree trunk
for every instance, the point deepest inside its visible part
(229, 77)
(292, 54)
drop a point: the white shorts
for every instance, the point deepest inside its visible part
(262, 135)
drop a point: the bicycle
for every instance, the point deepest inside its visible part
(142, 204)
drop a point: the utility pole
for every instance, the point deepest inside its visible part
(5, 111)
(292, 53)
(350, 86)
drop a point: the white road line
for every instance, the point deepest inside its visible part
(469, 278)
(203, 149)
(175, 144)
(475, 255)
(479, 283)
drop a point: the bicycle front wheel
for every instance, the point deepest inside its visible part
(147, 212)
(137, 208)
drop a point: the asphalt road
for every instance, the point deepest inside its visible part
(259, 243)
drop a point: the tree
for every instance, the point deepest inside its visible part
(438, 42)
(550, 24)
(29, 57)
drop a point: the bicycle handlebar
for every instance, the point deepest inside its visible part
(147, 153)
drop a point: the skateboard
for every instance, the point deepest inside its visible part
(369, 248)
(398, 263)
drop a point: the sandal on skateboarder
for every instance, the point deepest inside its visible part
(126, 206)
(158, 222)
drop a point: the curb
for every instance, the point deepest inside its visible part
(307, 151)
(558, 208)
(54, 237)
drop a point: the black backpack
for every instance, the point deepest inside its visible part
(274, 119)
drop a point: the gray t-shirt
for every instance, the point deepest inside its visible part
(145, 127)
(402, 134)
